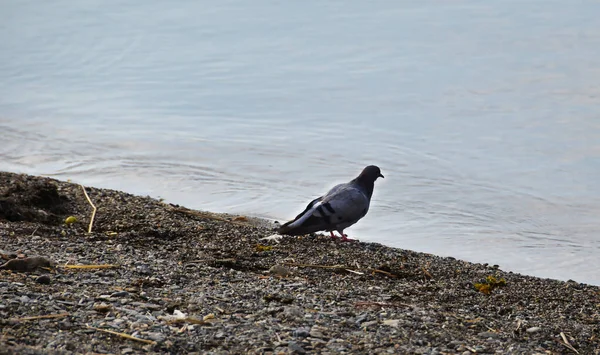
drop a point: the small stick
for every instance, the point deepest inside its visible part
(122, 335)
(317, 266)
(519, 323)
(93, 209)
(426, 272)
(567, 344)
(104, 266)
(339, 267)
(380, 304)
(230, 260)
(209, 215)
(355, 272)
(47, 316)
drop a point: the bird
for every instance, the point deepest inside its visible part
(342, 206)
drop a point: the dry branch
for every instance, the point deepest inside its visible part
(93, 209)
(47, 316)
(122, 335)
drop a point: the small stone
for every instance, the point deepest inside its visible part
(361, 318)
(301, 333)
(292, 312)
(466, 353)
(156, 336)
(533, 329)
(368, 324)
(280, 270)
(391, 322)
(488, 335)
(220, 335)
(102, 307)
(43, 279)
(24, 299)
(296, 348)
(27, 264)
(317, 332)
(120, 294)
(126, 351)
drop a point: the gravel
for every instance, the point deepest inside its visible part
(175, 280)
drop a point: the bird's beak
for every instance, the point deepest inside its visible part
(381, 176)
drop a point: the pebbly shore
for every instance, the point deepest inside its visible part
(153, 277)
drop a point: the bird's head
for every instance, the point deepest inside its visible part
(370, 173)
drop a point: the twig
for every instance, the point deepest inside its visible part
(380, 304)
(93, 209)
(519, 323)
(340, 267)
(427, 273)
(209, 215)
(47, 316)
(567, 344)
(336, 267)
(35, 230)
(491, 329)
(123, 335)
(229, 260)
(104, 266)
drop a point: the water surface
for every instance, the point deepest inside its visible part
(482, 116)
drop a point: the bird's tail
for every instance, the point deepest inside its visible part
(306, 227)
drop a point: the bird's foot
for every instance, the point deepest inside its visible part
(346, 239)
(333, 236)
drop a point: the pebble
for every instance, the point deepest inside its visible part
(120, 294)
(24, 299)
(43, 279)
(156, 336)
(361, 318)
(368, 324)
(27, 264)
(292, 312)
(101, 307)
(279, 270)
(295, 347)
(533, 329)
(488, 335)
(317, 331)
(391, 322)
(301, 333)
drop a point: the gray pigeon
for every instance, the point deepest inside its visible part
(341, 207)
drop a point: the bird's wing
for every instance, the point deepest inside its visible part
(344, 204)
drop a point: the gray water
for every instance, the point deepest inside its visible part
(483, 116)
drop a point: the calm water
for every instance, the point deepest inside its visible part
(482, 115)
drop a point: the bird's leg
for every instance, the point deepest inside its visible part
(333, 236)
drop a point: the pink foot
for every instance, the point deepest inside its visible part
(346, 239)
(333, 236)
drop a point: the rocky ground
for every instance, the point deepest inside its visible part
(155, 277)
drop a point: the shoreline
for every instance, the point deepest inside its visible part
(181, 281)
